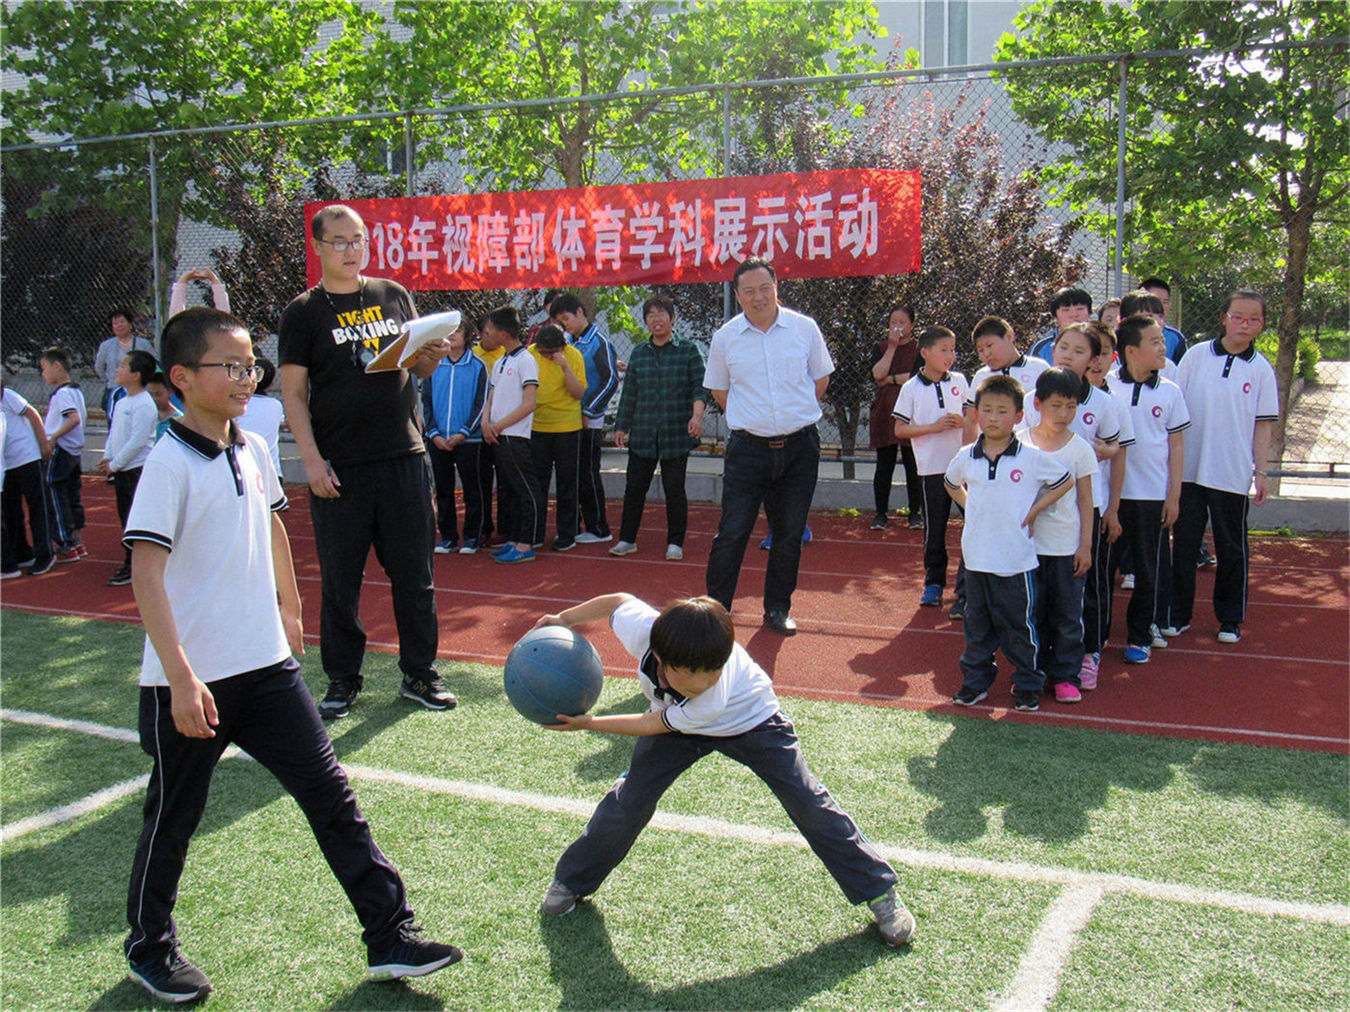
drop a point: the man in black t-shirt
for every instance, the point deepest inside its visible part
(364, 459)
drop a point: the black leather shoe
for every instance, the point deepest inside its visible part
(780, 622)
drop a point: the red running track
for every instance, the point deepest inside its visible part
(862, 637)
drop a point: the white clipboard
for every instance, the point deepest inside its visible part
(415, 335)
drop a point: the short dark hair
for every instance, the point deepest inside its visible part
(1071, 296)
(751, 264)
(930, 336)
(505, 318)
(124, 313)
(1105, 334)
(567, 303)
(269, 373)
(1156, 283)
(1000, 384)
(552, 294)
(991, 326)
(1140, 301)
(659, 302)
(59, 355)
(1244, 293)
(1091, 331)
(142, 363)
(1130, 329)
(1056, 380)
(550, 338)
(902, 306)
(695, 634)
(161, 379)
(186, 337)
(326, 214)
(1101, 310)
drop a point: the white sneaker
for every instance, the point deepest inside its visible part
(620, 547)
(1127, 582)
(674, 553)
(1159, 640)
(587, 538)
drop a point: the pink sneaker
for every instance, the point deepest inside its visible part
(1087, 675)
(1067, 692)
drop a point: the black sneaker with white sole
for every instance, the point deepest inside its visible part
(170, 977)
(121, 577)
(429, 690)
(1026, 700)
(968, 697)
(409, 956)
(342, 693)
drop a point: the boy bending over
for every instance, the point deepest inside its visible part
(707, 695)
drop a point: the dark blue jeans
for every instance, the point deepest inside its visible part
(780, 474)
(270, 715)
(774, 754)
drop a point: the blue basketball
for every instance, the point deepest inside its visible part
(553, 670)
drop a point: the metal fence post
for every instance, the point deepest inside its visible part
(726, 171)
(1120, 180)
(408, 153)
(154, 244)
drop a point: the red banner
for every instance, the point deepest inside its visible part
(810, 224)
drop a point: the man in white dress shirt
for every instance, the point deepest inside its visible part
(767, 368)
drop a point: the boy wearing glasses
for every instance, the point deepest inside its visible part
(365, 460)
(205, 532)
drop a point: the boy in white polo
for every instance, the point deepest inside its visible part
(996, 344)
(1003, 484)
(1151, 493)
(211, 561)
(1230, 392)
(928, 412)
(707, 695)
(507, 419)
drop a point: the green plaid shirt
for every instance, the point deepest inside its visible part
(659, 391)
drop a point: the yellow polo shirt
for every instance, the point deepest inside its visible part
(555, 409)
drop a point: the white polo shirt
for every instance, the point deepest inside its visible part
(21, 445)
(1024, 370)
(1057, 527)
(1000, 493)
(769, 375)
(741, 699)
(511, 374)
(67, 399)
(1126, 439)
(922, 402)
(1157, 409)
(211, 506)
(1226, 395)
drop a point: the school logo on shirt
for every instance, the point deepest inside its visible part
(956, 392)
(1088, 418)
(1157, 411)
(1016, 474)
(257, 480)
(1247, 387)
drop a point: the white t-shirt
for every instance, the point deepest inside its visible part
(132, 433)
(1024, 370)
(1098, 417)
(1226, 396)
(1157, 409)
(511, 374)
(742, 698)
(769, 375)
(211, 507)
(923, 402)
(21, 445)
(1126, 440)
(264, 416)
(1057, 527)
(66, 400)
(1000, 493)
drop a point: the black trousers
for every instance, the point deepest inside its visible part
(269, 714)
(487, 479)
(385, 504)
(26, 485)
(464, 459)
(1000, 612)
(1150, 548)
(590, 486)
(124, 490)
(522, 505)
(1226, 512)
(639, 479)
(557, 457)
(63, 483)
(885, 473)
(1098, 590)
(1059, 619)
(774, 754)
(937, 510)
(779, 474)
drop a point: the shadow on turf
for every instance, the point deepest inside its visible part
(616, 751)
(583, 963)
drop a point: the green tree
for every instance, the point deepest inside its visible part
(1222, 152)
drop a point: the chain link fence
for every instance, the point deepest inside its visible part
(92, 226)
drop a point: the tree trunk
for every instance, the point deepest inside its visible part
(1298, 230)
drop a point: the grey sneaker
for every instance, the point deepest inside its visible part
(674, 553)
(429, 690)
(591, 538)
(622, 548)
(894, 920)
(341, 695)
(558, 900)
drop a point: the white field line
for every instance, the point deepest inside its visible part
(64, 813)
(721, 829)
(1036, 982)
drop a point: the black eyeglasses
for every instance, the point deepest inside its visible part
(343, 245)
(235, 370)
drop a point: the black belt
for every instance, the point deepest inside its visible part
(773, 442)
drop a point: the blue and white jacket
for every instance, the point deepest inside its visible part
(453, 397)
(602, 371)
